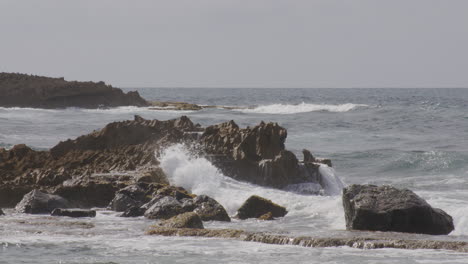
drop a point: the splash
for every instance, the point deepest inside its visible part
(199, 176)
(284, 109)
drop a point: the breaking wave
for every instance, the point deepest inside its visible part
(284, 109)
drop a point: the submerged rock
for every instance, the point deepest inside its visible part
(256, 206)
(185, 220)
(37, 202)
(73, 213)
(385, 208)
(209, 209)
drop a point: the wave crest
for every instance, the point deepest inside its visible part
(284, 109)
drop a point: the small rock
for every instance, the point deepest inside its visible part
(134, 211)
(185, 220)
(1, 212)
(256, 206)
(37, 202)
(122, 202)
(73, 213)
(209, 209)
(164, 208)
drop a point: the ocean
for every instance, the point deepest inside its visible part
(409, 138)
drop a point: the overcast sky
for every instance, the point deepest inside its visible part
(249, 43)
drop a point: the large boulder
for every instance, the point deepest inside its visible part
(256, 206)
(209, 209)
(185, 220)
(385, 208)
(37, 202)
(24, 90)
(73, 213)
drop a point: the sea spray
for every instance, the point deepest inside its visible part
(199, 176)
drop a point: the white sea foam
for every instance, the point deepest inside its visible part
(283, 109)
(201, 177)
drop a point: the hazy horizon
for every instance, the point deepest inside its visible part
(240, 44)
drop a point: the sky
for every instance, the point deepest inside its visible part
(234, 43)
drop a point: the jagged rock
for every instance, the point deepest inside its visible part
(256, 206)
(385, 208)
(257, 155)
(209, 209)
(163, 208)
(177, 192)
(155, 175)
(73, 213)
(185, 220)
(22, 90)
(37, 202)
(11, 194)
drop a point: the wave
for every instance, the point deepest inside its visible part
(199, 176)
(284, 109)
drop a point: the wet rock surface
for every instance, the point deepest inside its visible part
(268, 238)
(256, 206)
(185, 220)
(385, 208)
(37, 202)
(22, 90)
(73, 213)
(209, 209)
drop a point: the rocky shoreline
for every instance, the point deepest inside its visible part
(117, 167)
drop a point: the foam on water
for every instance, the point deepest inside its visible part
(284, 109)
(201, 177)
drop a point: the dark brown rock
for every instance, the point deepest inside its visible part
(1, 212)
(163, 207)
(256, 206)
(385, 208)
(266, 217)
(21, 90)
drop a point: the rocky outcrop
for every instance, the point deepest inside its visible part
(22, 90)
(385, 208)
(73, 213)
(256, 207)
(90, 169)
(258, 155)
(268, 238)
(185, 220)
(37, 202)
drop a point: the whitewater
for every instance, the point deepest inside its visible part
(409, 138)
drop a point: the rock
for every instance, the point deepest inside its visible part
(11, 194)
(37, 202)
(1, 212)
(177, 192)
(122, 203)
(163, 208)
(155, 175)
(257, 155)
(185, 220)
(87, 193)
(73, 213)
(209, 209)
(385, 208)
(21, 90)
(134, 211)
(266, 217)
(256, 206)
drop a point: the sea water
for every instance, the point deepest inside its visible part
(410, 138)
